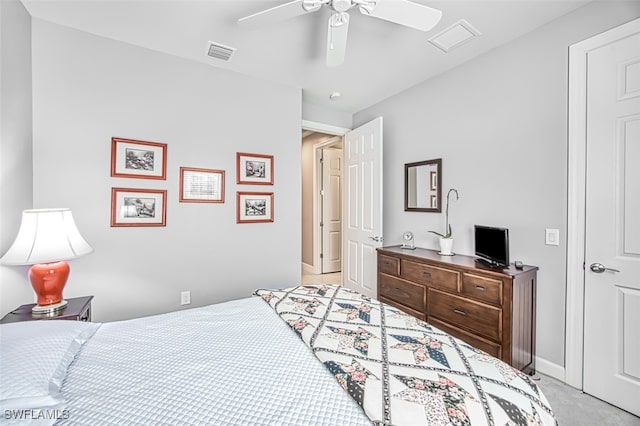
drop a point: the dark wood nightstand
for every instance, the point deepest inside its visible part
(77, 309)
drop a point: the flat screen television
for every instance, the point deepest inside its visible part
(492, 245)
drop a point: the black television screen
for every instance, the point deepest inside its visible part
(492, 245)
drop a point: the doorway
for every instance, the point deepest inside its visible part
(361, 210)
(603, 258)
(321, 207)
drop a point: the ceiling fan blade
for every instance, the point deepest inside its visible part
(337, 38)
(275, 14)
(405, 12)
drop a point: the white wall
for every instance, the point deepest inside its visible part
(499, 123)
(333, 117)
(87, 89)
(16, 170)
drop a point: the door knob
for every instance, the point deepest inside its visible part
(599, 268)
(377, 239)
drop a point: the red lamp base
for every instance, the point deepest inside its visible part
(48, 280)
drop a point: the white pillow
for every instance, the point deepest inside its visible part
(34, 357)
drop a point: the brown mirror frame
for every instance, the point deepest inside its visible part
(411, 170)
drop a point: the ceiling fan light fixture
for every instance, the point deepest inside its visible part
(402, 12)
(338, 19)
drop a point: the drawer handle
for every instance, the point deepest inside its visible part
(459, 312)
(387, 263)
(480, 288)
(426, 274)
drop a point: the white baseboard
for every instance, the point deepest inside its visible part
(550, 369)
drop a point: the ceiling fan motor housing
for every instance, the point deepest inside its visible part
(341, 5)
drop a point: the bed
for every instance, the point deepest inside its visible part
(306, 355)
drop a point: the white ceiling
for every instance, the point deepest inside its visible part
(382, 58)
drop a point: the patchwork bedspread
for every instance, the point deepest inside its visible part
(401, 370)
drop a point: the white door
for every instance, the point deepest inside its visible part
(363, 204)
(612, 295)
(331, 222)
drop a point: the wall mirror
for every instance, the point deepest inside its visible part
(422, 186)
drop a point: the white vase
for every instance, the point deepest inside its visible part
(446, 244)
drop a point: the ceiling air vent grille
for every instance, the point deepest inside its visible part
(457, 34)
(220, 51)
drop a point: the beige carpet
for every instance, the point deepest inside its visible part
(575, 408)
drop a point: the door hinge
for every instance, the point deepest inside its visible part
(321, 255)
(321, 223)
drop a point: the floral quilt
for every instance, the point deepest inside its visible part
(401, 370)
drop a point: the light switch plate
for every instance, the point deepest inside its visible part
(552, 237)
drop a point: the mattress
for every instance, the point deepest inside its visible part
(228, 364)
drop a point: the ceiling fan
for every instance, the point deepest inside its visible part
(403, 12)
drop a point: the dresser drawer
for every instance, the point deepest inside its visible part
(389, 265)
(430, 275)
(488, 346)
(482, 319)
(409, 294)
(417, 314)
(482, 288)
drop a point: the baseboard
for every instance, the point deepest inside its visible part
(550, 369)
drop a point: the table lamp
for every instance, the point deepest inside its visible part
(47, 237)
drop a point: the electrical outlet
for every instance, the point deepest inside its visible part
(552, 237)
(185, 298)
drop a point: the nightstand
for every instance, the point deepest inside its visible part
(77, 309)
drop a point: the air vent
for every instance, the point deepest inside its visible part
(220, 51)
(454, 36)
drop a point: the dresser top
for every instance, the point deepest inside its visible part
(459, 260)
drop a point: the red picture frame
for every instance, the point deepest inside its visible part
(138, 159)
(201, 185)
(138, 207)
(254, 207)
(254, 169)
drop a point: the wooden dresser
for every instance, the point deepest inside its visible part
(492, 309)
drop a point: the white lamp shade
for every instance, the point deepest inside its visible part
(46, 235)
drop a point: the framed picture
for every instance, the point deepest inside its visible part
(201, 185)
(254, 207)
(138, 159)
(254, 169)
(138, 207)
(434, 180)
